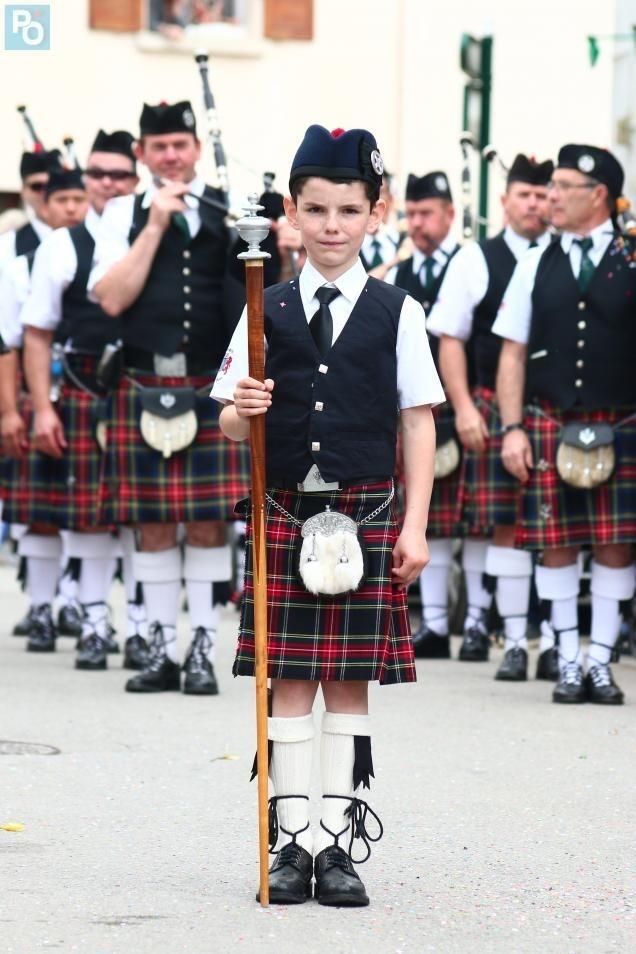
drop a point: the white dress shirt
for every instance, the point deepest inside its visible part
(111, 244)
(7, 240)
(440, 258)
(417, 378)
(389, 239)
(54, 269)
(465, 284)
(14, 289)
(515, 312)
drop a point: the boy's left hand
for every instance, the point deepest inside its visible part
(410, 556)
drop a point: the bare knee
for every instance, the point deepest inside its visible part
(556, 557)
(154, 537)
(206, 533)
(614, 555)
(349, 696)
(293, 697)
(504, 536)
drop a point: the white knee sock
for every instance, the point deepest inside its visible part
(560, 585)
(513, 570)
(434, 586)
(160, 575)
(337, 757)
(290, 772)
(609, 587)
(136, 623)
(474, 563)
(95, 550)
(43, 565)
(68, 584)
(202, 568)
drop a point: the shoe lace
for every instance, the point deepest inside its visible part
(357, 810)
(571, 674)
(274, 824)
(156, 647)
(289, 855)
(600, 675)
(42, 616)
(197, 661)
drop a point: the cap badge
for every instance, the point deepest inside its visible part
(167, 400)
(441, 184)
(586, 163)
(587, 436)
(188, 118)
(377, 163)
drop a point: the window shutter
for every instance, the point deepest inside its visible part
(120, 15)
(289, 19)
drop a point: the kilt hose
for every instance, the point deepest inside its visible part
(363, 635)
(442, 511)
(488, 495)
(202, 482)
(554, 514)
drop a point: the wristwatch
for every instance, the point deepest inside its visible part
(518, 426)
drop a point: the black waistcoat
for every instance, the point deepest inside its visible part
(83, 322)
(581, 346)
(180, 307)
(341, 415)
(406, 279)
(486, 346)
(26, 240)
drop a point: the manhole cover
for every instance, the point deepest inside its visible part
(26, 748)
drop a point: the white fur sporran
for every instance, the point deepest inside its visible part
(331, 561)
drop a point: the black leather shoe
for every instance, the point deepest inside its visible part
(23, 627)
(601, 687)
(290, 876)
(200, 679)
(570, 688)
(69, 621)
(514, 666)
(475, 646)
(112, 646)
(42, 634)
(548, 665)
(337, 882)
(135, 653)
(161, 674)
(428, 645)
(91, 652)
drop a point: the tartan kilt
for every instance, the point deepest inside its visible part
(28, 481)
(442, 515)
(488, 495)
(364, 635)
(553, 514)
(202, 482)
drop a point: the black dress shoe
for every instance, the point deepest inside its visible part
(135, 653)
(428, 645)
(23, 627)
(200, 679)
(514, 666)
(337, 882)
(548, 665)
(42, 634)
(112, 646)
(601, 687)
(290, 876)
(475, 646)
(570, 688)
(69, 621)
(161, 674)
(91, 652)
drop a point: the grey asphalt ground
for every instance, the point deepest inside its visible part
(509, 821)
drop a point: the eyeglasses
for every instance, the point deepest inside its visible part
(568, 186)
(117, 175)
(36, 186)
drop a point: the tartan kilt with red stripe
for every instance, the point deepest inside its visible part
(364, 635)
(553, 514)
(488, 495)
(202, 482)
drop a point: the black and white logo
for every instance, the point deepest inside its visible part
(376, 162)
(586, 163)
(441, 184)
(188, 118)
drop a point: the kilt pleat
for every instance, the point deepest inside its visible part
(553, 514)
(363, 635)
(202, 482)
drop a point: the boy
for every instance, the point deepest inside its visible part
(343, 353)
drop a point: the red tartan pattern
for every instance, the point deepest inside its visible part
(202, 482)
(488, 495)
(553, 514)
(364, 635)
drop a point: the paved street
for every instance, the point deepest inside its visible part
(509, 821)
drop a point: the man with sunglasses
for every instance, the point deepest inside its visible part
(568, 319)
(34, 173)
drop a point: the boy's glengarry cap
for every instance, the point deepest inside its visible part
(61, 180)
(524, 169)
(597, 163)
(42, 161)
(434, 185)
(164, 118)
(118, 142)
(346, 155)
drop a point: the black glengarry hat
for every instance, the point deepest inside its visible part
(164, 118)
(42, 161)
(61, 180)
(433, 185)
(597, 163)
(527, 169)
(118, 142)
(340, 155)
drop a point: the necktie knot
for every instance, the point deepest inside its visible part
(326, 294)
(585, 244)
(586, 271)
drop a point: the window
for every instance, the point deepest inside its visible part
(172, 17)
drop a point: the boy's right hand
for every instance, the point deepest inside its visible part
(14, 436)
(252, 397)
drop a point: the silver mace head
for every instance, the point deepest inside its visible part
(253, 229)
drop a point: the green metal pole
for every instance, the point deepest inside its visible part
(484, 130)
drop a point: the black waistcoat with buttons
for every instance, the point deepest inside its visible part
(83, 323)
(410, 282)
(341, 415)
(180, 306)
(485, 345)
(26, 240)
(582, 345)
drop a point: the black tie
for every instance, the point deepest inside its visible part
(321, 324)
(533, 244)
